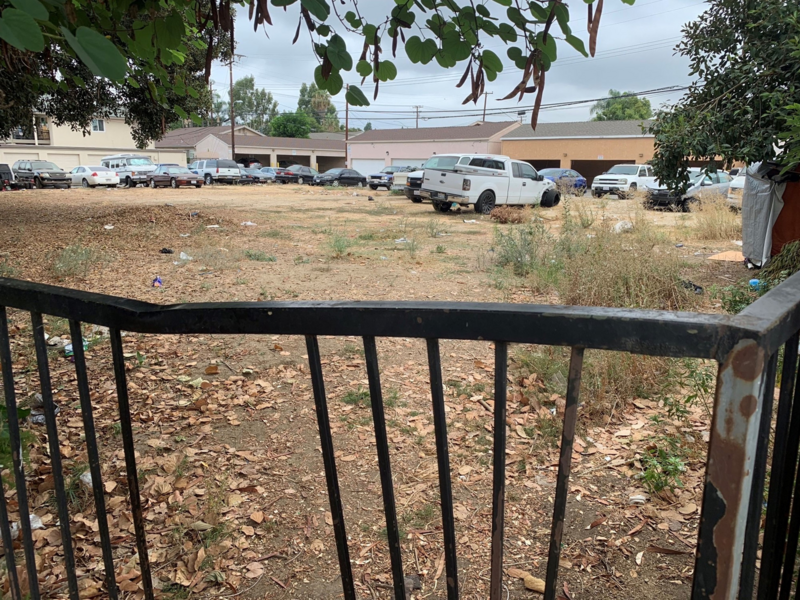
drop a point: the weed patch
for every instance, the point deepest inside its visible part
(359, 397)
(339, 244)
(74, 261)
(7, 269)
(716, 221)
(259, 256)
(511, 214)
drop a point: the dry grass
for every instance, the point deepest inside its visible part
(511, 214)
(716, 221)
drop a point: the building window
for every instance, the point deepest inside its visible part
(98, 125)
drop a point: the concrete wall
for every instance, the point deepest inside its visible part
(566, 150)
(70, 157)
(419, 150)
(117, 134)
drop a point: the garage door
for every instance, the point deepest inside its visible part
(408, 162)
(592, 168)
(64, 160)
(543, 163)
(367, 166)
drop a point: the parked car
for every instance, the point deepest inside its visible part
(297, 174)
(268, 173)
(249, 163)
(254, 176)
(734, 172)
(413, 179)
(41, 174)
(91, 176)
(701, 183)
(216, 170)
(623, 180)
(385, 177)
(245, 178)
(7, 179)
(566, 179)
(340, 176)
(736, 190)
(132, 169)
(174, 176)
(485, 181)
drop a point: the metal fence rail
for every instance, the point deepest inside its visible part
(746, 346)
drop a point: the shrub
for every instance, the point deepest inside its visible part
(716, 221)
(511, 214)
(259, 256)
(7, 269)
(339, 244)
(74, 260)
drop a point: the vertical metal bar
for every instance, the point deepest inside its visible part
(499, 469)
(564, 468)
(8, 545)
(55, 452)
(784, 453)
(332, 479)
(130, 461)
(94, 456)
(792, 539)
(385, 467)
(443, 459)
(729, 472)
(754, 510)
(16, 453)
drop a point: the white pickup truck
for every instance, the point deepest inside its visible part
(485, 181)
(623, 180)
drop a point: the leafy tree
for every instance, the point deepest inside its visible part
(253, 107)
(220, 113)
(317, 104)
(746, 57)
(368, 127)
(622, 106)
(293, 125)
(53, 46)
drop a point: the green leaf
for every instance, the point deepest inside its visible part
(370, 33)
(323, 30)
(386, 70)
(181, 113)
(562, 16)
(507, 33)
(170, 31)
(483, 11)
(413, 49)
(318, 8)
(364, 68)
(504, 2)
(98, 53)
(492, 61)
(20, 30)
(338, 55)
(539, 12)
(334, 83)
(549, 49)
(33, 7)
(516, 17)
(577, 43)
(196, 119)
(133, 83)
(356, 97)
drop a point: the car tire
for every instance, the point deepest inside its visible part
(300, 180)
(442, 207)
(207, 179)
(629, 194)
(486, 203)
(38, 183)
(416, 200)
(335, 183)
(198, 185)
(173, 183)
(597, 193)
(129, 182)
(373, 187)
(550, 198)
(152, 183)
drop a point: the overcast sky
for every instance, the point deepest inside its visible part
(635, 52)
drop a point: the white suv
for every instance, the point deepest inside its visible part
(623, 180)
(217, 170)
(132, 169)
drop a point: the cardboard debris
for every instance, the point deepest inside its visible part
(729, 256)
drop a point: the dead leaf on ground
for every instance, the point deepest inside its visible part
(517, 573)
(660, 550)
(688, 509)
(212, 370)
(534, 584)
(597, 522)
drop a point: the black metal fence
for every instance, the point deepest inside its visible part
(746, 346)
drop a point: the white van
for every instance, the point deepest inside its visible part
(131, 168)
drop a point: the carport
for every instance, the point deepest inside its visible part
(592, 168)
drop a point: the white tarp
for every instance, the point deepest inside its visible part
(762, 202)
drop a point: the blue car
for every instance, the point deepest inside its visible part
(566, 178)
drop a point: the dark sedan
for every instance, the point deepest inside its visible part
(173, 176)
(297, 174)
(41, 174)
(337, 177)
(246, 177)
(568, 179)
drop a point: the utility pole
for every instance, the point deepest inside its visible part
(417, 108)
(485, 98)
(233, 116)
(211, 91)
(346, 124)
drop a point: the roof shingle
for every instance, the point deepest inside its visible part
(479, 131)
(579, 129)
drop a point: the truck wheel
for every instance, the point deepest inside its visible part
(373, 187)
(629, 194)
(550, 198)
(300, 180)
(442, 207)
(416, 200)
(207, 179)
(597, 193)
(485, 203)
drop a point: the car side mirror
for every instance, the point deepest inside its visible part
(539, 178)
(705, 184)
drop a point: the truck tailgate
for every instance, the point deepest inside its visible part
(448, 182)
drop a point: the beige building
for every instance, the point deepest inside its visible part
(68, 148)
(215, 142)
(589, 147)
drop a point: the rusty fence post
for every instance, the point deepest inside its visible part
(732, 452)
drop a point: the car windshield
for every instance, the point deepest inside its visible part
(441, 162)
(98, 169)
(180, 171)
(294, 168)
(140, 162)
(227, 164)
(333, 171)
(550, 172)
(624, 170)
(253, 171)
(694, 177)
(390, 169)
(43, 164)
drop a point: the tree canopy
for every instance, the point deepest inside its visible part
(101, 51)
(745, 57)
(622, 106)
(316, 103)
(293, 125)
(253, 107)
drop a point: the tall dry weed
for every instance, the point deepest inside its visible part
(715, 220)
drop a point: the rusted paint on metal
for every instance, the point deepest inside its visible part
(732, 451)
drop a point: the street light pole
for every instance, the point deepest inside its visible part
(233, 115)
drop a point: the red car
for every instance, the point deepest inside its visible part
(173, 176)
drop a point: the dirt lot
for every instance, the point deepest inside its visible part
(229, 462)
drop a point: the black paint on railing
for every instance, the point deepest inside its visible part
(746, 346)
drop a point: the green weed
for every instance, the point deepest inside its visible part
(359, 397)
(259, 256)
(73, 261)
